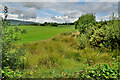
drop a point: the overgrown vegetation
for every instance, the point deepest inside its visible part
(54, 59)
(93, 53)
(12, 57)
(103, 34)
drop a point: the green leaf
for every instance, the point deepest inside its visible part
(93, 71)
(3, 71)
(108, 73)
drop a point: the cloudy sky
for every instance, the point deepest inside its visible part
(58, 10)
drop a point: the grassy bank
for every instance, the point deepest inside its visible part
(58, 57)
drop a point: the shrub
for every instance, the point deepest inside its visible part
(83, 22)
(83, 41)
(106, 36)
(23, 31)
(97, 72)
(54, 24)
(101, 34)
(9, 73)
(17, 29)
(12, 57)
(103, 71)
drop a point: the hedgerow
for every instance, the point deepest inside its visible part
(103, 34)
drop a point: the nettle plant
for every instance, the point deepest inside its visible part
(12, 57)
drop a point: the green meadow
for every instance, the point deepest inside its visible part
(37, 33)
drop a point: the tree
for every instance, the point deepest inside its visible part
(83, 21)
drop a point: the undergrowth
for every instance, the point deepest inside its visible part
(58, 58)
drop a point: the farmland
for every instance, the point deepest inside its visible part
(36, 33)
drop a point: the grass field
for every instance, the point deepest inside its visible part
(54, 52)
(37, 33)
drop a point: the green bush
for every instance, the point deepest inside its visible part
(103, 34)
(83, 22)
(23, 31)
(97, 72)
(103, 71)
(106, 36)
(9, 73)
(83, 41)
(12, 57)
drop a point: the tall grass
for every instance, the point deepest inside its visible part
(57, 55)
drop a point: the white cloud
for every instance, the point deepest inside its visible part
(107, 17)
(100, 0)
(29, 1)
(98, 7)
(10, 16)
(58, 19)
(99, 18)
(1, 7)
(108, 0)
(63, 19)
(70, 10)
(60, 1)
(42, 0)
(1, 15)
(42, 20)
(29, 13)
